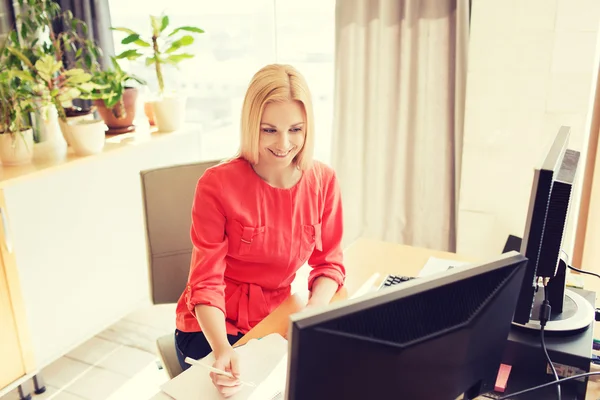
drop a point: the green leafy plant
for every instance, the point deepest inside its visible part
(17, 100)
(38, 49)
(110, 87)
(55, 84)
(37, 36)
(161, 48)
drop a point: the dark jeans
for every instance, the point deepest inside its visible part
(195, 345)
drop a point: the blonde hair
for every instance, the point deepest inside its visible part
(275, 83)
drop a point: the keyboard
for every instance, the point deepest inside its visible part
(393, 280)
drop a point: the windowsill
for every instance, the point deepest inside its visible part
(113, 144)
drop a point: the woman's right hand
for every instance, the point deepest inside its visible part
(227, 360)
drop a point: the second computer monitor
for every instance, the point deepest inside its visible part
(431, 338)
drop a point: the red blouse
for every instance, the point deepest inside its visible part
(250, 238)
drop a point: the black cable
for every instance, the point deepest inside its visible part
(544, 317)
(577, 269)
(583, 272)
(569, 378)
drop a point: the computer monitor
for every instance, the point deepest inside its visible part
(542, 241)
(435, 337)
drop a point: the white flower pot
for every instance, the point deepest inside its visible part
(51, 145)
(87, 136)
(16, 148)
(169, 113)
(66, 129)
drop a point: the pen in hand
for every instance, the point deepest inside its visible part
(191, 361)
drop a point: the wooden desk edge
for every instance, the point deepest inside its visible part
(278, 320)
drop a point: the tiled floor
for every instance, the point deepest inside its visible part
(119, 363)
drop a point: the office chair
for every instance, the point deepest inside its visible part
(167, 194)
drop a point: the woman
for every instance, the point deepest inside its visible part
(256, 220)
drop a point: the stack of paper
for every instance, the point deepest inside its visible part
(262, 361)
(436, 265)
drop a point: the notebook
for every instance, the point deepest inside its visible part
(262, 361)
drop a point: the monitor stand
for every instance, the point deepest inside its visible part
(577, 314)
(569, 351)
(570, 311)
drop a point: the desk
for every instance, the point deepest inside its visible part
(362, 259)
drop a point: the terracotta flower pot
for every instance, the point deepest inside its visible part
(119, 119)
(149, 111)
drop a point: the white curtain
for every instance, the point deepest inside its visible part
(398, 121)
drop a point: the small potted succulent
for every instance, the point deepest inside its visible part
(115, 97)
(162, 48)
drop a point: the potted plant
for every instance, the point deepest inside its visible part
(162, 48)
(55, 88)
(16, 102)
(85, 134)
(41, 50)
(115, 97)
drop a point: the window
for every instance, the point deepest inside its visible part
(241, 37)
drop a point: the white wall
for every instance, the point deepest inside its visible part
(532, 68)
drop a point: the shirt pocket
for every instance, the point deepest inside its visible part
(246, 241)
(310, 240)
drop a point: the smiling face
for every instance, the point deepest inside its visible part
(277, 124)
(282, 133)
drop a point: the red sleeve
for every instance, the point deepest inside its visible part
(205, 281)
(329, 261)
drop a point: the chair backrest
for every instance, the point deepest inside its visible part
(168, 194)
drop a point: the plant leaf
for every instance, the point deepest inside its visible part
(130, 39)
(142, 43)
(164, 23)
(22, 75)
(91, 86)
(115, 63)
(129, 54)
(150, 61)
(188, 29)
(20, 56)
(183, 41)
(79, 77)
(126, 30)
(177, 58)
(47, 66)
(137, 79)
(156, 23)
(70, 94)
(13, 36)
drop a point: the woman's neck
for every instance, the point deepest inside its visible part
(283, 178)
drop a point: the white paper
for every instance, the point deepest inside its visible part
(436, 265)
(367, 287)
(274, 386)
(259, 359)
